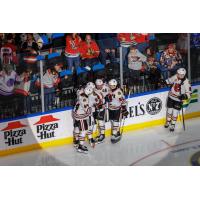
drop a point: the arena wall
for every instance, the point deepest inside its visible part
(54, 128)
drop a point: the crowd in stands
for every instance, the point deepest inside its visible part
(70, 60)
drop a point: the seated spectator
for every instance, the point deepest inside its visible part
(153, 72)
(170, 60)
(11, 49)
(50, 81)
(72, 51)
(136, 64)
(107, 43)
(89, 52)
(30, 44)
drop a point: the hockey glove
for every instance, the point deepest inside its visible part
(124, 111)
(183, 97)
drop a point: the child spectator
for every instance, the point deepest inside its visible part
(153, 71)
(72, 51)
(89, 52)
(135, 63)
(171, 60)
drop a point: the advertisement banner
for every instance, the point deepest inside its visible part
(59, 124)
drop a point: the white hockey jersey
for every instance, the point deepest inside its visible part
(116, 99)
(178, 87)
(96, 100)
(81, 109)
(105, 90)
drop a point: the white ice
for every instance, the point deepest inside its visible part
(150, 146)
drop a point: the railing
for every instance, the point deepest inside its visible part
(64, 95)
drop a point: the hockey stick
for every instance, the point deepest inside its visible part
(122, 128)
(183, 118)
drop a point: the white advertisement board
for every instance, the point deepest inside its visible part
(59, 124)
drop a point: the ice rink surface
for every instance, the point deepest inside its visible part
(152, 146)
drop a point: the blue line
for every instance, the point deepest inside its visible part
(70, 107)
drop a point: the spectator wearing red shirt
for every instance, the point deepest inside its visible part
(9, 51)
(72, 50)
(89, 52)
(142, 40)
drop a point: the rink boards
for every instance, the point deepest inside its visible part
(42, 130)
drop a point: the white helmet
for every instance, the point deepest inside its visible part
(181, 71)
(99, 82)
(112, 83)
(90, 84)
(88, 90)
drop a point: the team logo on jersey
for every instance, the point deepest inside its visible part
(154, 106)
(13, 133)
(46, 126)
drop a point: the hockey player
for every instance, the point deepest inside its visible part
(180, 90)
(96, 103)
(117, 109)
(81, 113)
(102, 88)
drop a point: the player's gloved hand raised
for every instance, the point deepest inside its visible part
(183, 97)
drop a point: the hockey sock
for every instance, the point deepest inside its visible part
(115, 127)
(102, 127)
(169, 114)
(174, 116)
(82, 137)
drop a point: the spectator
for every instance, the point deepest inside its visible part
(23, 91)
(8, 77)
(11, 49)
(50, 81)
(72, 51)
(182, 46)
(149, 52)
(136, 64)
(108, 44)
(170, 60)
(89, 52)
(153, 72)
(29, 44)
(126, 40)
(142, 40)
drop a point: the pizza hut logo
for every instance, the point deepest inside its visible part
(13, 133)
(46, 127)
